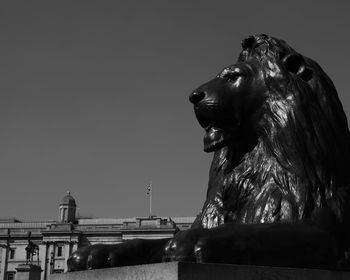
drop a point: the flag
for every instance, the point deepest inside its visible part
(149, 189)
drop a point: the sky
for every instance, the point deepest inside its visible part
(94, 95)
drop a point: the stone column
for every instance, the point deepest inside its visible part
(48, 266)
(3, 267)
(4, 258)
(67, 252)
(28, 272)
(75, 246)
(44, 258)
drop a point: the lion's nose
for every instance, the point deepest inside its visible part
(196, 96)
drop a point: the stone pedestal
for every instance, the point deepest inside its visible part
(192, 271)
(28, 272)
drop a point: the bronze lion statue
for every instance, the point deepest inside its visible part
(279, 187)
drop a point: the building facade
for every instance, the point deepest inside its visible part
(56, 240)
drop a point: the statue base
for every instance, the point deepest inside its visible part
(28, 272)
(194, 271)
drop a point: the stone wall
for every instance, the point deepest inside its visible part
(192, 271)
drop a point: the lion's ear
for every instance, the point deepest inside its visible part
(292, 62)
(305, 73)
(295, 64)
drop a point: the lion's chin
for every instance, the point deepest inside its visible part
(215, 138)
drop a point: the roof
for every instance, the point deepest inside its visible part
(68, 200)
(9, 220)
(185, 220)
(101, 221)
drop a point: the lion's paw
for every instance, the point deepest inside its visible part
(181, 247)
(89, 257)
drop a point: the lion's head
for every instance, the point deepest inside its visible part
(279, 134)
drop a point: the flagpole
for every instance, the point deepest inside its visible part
(150, 201)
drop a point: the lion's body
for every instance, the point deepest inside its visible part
(300, 159)
(279, 184)
(283, 158)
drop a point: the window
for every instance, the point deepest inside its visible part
(10, 275)
(12, 253)
(59, 251)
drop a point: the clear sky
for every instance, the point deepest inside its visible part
(94, 95)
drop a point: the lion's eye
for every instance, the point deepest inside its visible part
(231, 76)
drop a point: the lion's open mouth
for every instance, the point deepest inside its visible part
(216, 137)
(218, 132)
